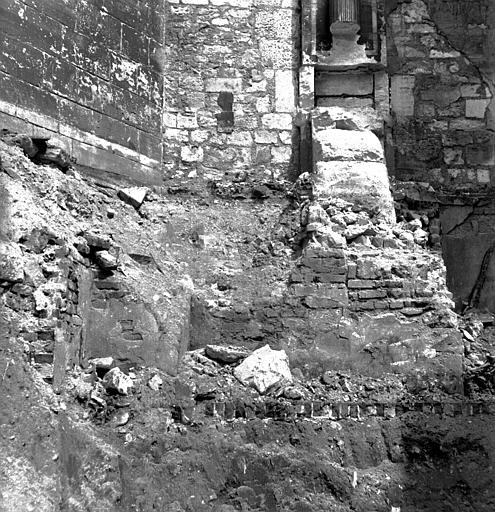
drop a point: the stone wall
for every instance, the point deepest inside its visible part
(441, 91)
(230, 86)
(89, 74)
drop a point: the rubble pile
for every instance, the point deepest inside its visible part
(170, 339)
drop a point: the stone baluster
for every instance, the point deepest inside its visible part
(344, 10)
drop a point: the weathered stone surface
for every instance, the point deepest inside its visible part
(11, 262)
(155, 382)
(225, 354)
(95, 98)
(363, 118)
(97, 241)
(106, 260)
(363, 183)
(117, 381)
(102, 363)
(343, 84)
(133, 195)
(264, 369)
(344, 145)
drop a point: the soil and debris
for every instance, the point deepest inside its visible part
(201, 432)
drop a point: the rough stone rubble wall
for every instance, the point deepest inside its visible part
(439, 58)
(230, 84)
(89, 73)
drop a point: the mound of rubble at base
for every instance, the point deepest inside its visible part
(127, 316)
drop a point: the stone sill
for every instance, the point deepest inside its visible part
(365, 66)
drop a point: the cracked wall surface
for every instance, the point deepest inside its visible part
(440, 59)
(440, 95)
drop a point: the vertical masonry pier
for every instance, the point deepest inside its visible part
(343, 75)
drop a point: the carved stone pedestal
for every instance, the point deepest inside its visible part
(344, 29)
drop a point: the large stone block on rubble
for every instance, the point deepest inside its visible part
(264, 369)
(364, 184)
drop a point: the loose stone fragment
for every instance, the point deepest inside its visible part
(55, 155)
(102, 363)
(27, 145)
(133, 195)
(106, 261)
(11, 266)
(155, 382)
(264, 369)
(117, 381)
(97, 241)
(120, 418)
(225, 354)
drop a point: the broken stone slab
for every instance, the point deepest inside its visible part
(264, 369)
(102, 363)
(54, 155)
(106, 261)
(133, 195)
(97, 241)
(117, 381)
(225, 354)
(355, 230)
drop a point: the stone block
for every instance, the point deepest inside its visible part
(360, 284)
(483, 176)
(372, 294)
(363, 183)
(481, 154)
(281, 155)
(335, 144)
(186, 121)
(274, 23)
(442, 95)
(277, 121)
(191, 154)
(284, 91)
(401, 95)
(233, 85)
(476, 108)
(367, 269)
(343, 84)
